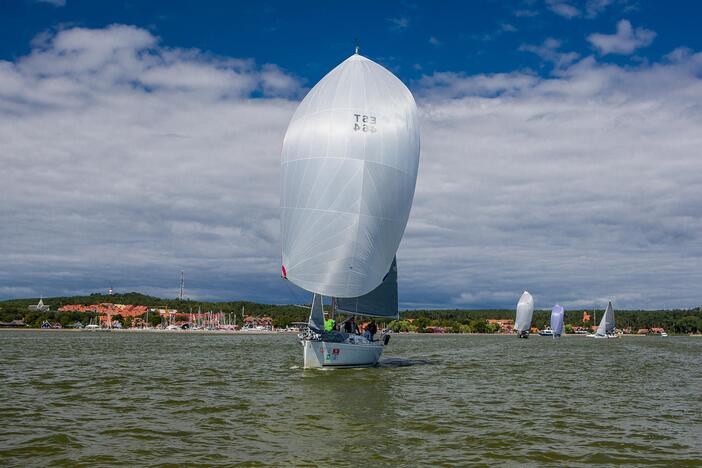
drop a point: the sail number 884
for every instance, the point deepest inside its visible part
(364, 123)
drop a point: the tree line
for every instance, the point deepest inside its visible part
(456, 321)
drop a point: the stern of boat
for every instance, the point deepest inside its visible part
(321, 354)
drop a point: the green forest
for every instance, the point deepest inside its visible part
(452, 321)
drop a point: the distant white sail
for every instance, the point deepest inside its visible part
(557, 324)
(525, 311)
(349, 168)
(607, 323)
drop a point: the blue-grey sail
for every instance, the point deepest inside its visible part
(380, 302)
(557, 324)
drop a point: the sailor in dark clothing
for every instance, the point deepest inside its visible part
(372, 329)
(350, 326)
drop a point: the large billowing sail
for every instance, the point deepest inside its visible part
(525, 310)
(349, 168)
(557, 324)
(607, 323)
(380, 302)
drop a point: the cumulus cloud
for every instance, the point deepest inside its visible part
(563, 9)
(399, 23)
(149, 159)
(118, 171)
(56, 3)
(548, 51)
(577, 187)
(595, 7)
(525, 13)
(625, 41)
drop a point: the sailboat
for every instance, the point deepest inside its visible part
(606, 328)
(557, 324)
(525, 311)
(349, 168)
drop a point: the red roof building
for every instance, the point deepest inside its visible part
(107, 308)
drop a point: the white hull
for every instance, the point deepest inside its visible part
(603, 336)
(318, 354)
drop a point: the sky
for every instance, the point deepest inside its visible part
(560, 146)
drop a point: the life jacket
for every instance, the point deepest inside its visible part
(329, 324)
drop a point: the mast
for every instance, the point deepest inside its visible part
(182, 284)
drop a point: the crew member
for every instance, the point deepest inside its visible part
(372, 329)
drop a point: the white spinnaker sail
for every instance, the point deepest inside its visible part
(557, 323)
(607, 323)
(525, 311)
(349, 168)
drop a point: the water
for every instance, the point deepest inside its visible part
(95, 398)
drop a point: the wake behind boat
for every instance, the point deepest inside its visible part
(349, 169)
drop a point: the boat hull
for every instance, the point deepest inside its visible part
(602, 336)
(322, 354)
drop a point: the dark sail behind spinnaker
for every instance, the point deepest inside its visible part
(380, 302)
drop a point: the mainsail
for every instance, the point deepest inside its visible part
(557, 324)
(316, 319)
(525, 311)
(607, 323)
(349, 168)
(380, 302)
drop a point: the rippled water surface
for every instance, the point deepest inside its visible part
(96, 398)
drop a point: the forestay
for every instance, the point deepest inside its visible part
(557, 320)
(525, 311)
(607, 323)
(380, 302)
(349, 168)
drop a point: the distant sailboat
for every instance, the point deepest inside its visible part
(606, 328)
(557, 323)
(93, 325)
(349, 169)
(525, 311)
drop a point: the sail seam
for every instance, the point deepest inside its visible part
(353, 159)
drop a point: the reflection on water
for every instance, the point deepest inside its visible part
(399, 362)
(148, 398)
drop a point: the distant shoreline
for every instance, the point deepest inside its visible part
(283, 332)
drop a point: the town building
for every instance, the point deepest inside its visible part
(106, 308)
(506, 325)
